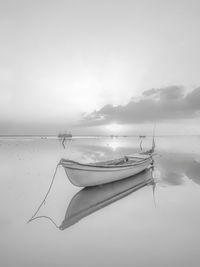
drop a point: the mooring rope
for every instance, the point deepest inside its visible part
(43, 202)
(45, 217)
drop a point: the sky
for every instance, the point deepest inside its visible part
(99, 67)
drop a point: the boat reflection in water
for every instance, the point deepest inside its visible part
(91, 199)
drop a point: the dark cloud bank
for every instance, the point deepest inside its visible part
(169, 103)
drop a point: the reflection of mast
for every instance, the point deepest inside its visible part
(153, 185)
(154, 189)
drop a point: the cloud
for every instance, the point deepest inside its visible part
(193, 99)
(168, 103)
(167, 93)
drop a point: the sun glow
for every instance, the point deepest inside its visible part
(114, 145)
(114, 127)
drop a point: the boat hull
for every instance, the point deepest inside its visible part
(84, 175)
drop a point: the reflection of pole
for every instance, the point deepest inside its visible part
(153, 185)
(141, 145)
(154, 189)
(63, 142)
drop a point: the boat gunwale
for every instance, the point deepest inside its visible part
(92, 165)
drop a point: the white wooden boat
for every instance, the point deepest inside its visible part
(92, 199)
(97, 173)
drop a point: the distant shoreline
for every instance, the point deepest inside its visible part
(90, 136)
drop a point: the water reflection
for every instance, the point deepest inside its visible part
(167, 235)
(89, 200)
(141, 137)
(65, 142)
(170, 168)
(174, 168)
(114, 144)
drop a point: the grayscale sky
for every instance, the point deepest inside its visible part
(99, 66)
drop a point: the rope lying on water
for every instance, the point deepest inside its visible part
(43, 202)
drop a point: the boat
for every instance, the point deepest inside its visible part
(98, 177)
(91, 199)
(92, 174)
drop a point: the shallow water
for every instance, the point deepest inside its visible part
(156, 225)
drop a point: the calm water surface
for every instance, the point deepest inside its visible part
(141, 229)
